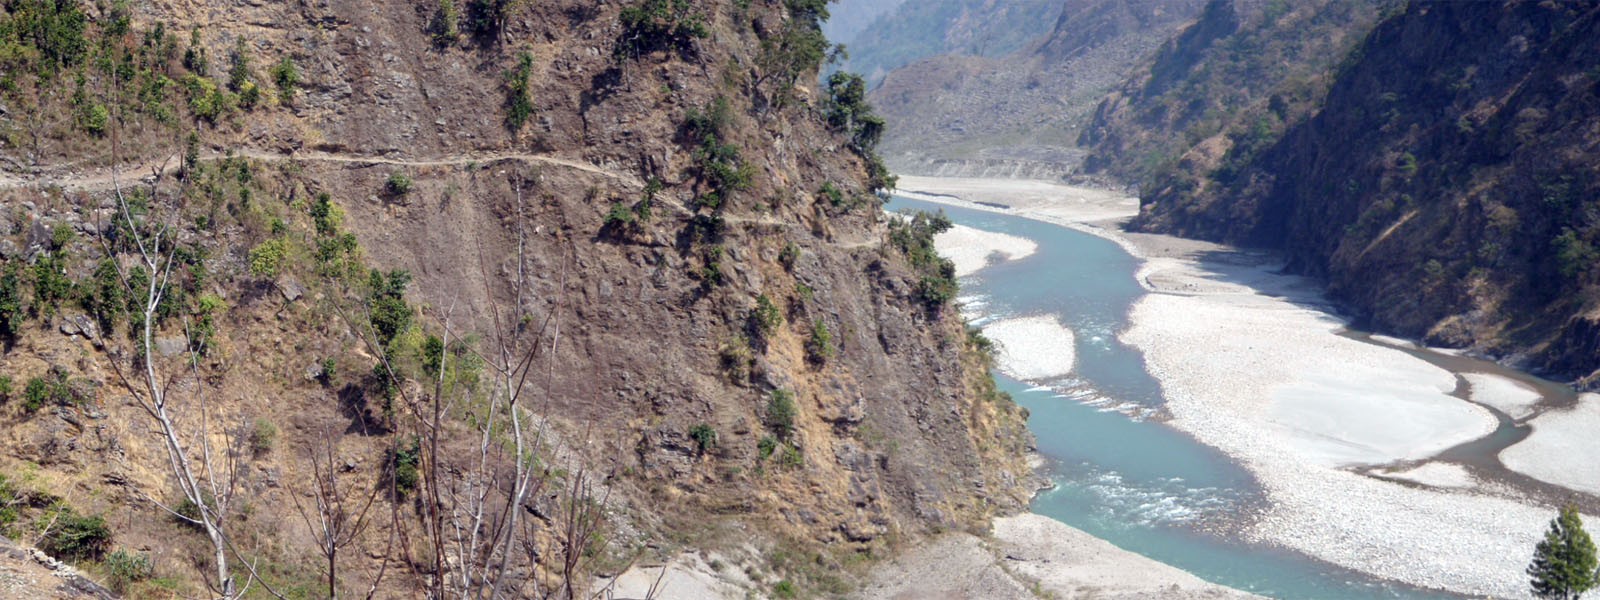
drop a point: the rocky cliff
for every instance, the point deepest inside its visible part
(598, 282)
(1444, 187)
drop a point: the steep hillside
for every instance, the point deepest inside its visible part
(1446, 186)
(1230, 82)
(595, 281)
(918, 30)
(1019, 115)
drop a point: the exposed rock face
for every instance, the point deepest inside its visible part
(1445, 187)
(894, 433)
(1018, 115)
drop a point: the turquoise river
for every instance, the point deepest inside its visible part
(1127, 479)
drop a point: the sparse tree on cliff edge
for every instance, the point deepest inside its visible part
(1564, 563)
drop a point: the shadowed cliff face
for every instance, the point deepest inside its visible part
(1445, 187)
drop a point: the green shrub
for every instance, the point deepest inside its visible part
(1574, 255)
(125, 568)
(705, 438)
(267, 258)
(11, 501)
(205, 324)
(76, 537)
(653, 25)
(35, 395)
(487, 19)
(781, 413)
(519, 102)
(44, 391)
(386, 299)
(50, 284)
(766, 447)
(789, 255)
(5, 388)
(239, 65)
(188, 513)
(329, 371)
(766, 316)
(936, 285)
(336, 255)
(784, 590)
(103, 296)
(832, 193)
(796, 49)
(249, 97)
(398, 184)
(95, 119)
(792, 459)
(737, 359)
(11, 301)
(819, 347)
(937, 290)
(711, 268)
(194, 57)
(445, 28)
(719, 164)
(286, 76)
(642, 209)
(49, 35)
(404, 462)
(326, 216)
(620, 215)
(206, 101)
(263, 436)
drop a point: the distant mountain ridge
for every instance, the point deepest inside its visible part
(917, 30)
(849, 17)
(1020, 114)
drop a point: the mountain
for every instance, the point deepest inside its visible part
(467, 297)
(1237, 77)
(848, 18)
(1444, 186)
(1019, 114)
(917, 30)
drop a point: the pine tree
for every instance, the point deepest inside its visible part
(1564, 564)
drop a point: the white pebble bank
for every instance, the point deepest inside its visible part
(1562, 448)
(973, 249)
(1032, 348)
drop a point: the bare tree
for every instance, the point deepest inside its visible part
(207, 473)
(473, 490)
(338, 517)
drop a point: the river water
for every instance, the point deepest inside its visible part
(1119, 472)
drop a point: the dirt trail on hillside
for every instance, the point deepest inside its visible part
(107, 178)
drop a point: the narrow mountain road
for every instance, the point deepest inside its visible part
(106, 178)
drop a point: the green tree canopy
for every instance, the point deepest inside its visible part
(1564, 562)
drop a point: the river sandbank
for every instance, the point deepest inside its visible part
(1251, 362)
(973, 249)
(1562, 449)
(1030, 556)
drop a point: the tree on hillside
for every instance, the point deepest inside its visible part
(1564, 564)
